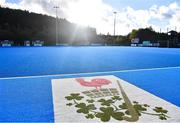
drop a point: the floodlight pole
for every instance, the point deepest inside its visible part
(115, 23)
(168, 37)
(56, 7)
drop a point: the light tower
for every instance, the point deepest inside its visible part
(169, 34)
(175, 28)
(115, 23)
(57, 25)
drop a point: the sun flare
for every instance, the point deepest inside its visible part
(81, 13)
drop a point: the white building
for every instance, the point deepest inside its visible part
(38, 43)
(135, 42)
(6, 43)
(27, 43)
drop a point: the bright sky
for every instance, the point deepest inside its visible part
(132, 14)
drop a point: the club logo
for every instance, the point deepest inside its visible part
(109, 103)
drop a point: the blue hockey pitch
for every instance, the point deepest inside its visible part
(26, 73)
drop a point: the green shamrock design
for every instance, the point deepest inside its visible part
(83, 108)
(162, 113)
(106, 114)
(75, 96)
(115, 98)
(106, 102)
(111, 108)
(89, 116)
(139, 108)
(90, 100)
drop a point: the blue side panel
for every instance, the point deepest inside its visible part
(26, 100)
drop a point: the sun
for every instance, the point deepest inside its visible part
(82, 13)
(93, 13)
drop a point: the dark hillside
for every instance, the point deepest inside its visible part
(18, 25)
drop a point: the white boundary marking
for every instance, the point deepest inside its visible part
(106, 72)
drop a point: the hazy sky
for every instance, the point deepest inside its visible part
(132, 14)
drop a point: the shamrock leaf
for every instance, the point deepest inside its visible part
(83, 108)
(74, 97)
(135, 102)
(106, 102)
(106, 114)
(69, 104)
(139, 108)
(123, 106)
(90, 101)
(160, 110)
(118, 115)
(116, 98)
(104, 117)
(90, 116)
(146, 105)
(162, 117)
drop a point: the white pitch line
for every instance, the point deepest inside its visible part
(106, 72)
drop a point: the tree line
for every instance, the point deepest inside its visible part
(20, 26)
(171, 38)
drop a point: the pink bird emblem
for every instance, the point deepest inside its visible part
(97, 83)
